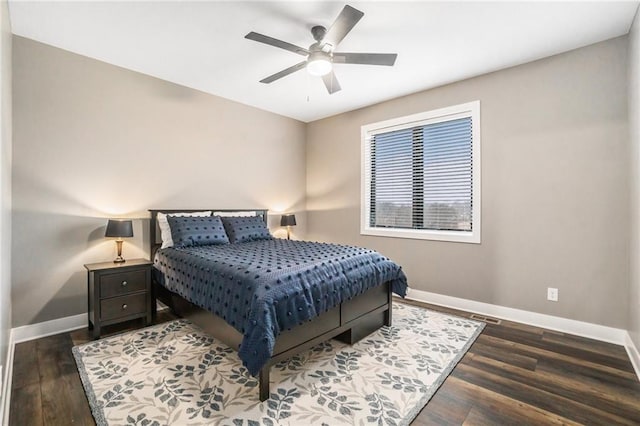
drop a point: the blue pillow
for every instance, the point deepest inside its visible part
(191, 231)
(243, 229)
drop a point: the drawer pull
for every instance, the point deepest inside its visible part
(124, 283)
(124, 306)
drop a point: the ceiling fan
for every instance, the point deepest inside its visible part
(321, 55)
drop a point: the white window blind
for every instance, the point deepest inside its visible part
(420, 176)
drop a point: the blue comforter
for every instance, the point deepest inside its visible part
(262, 288)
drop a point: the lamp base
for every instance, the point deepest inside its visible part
(119, 259)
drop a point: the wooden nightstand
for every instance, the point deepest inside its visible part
(118, 292)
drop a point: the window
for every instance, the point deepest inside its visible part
(421, 175)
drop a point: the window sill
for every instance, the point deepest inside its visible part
(448, 236)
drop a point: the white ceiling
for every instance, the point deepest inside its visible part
(201, 44)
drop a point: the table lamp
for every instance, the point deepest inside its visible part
(119, 228)
(288, 220)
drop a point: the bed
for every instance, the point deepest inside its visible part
(270, 299)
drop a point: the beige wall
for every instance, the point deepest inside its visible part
(555, 208)
(5, 181)
(634, 133)
(92, 141)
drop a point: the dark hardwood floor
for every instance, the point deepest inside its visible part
(513, 374)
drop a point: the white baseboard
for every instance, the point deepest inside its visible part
(48, 328)
(56, 326)
(6, 382)
(634, 354)
(579, 328)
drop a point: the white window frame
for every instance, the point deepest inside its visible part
(470, 109)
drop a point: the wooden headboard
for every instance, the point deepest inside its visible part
(154, 230)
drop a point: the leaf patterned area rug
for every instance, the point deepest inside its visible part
(174, 374)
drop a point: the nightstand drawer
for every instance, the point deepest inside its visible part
(123, 283)
(123, 306)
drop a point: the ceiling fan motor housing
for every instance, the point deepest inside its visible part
(318, 32)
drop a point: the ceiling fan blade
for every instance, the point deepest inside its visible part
(261, 38)
(344, 23)
(387, 59)
(284, 73)
(331, 83)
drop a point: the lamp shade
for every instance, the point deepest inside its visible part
(119, 228)
(288, 220)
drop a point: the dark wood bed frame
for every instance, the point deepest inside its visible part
(349, 322)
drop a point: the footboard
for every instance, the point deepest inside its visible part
(351, 321)
(371, 309)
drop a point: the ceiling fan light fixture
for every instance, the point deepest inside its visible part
(318, 64)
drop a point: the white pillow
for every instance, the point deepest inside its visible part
(165, 229)
(236, 214)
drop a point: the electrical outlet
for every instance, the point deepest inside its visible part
(552, 294)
